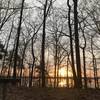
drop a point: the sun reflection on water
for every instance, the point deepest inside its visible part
(63, 73)
(62, 83)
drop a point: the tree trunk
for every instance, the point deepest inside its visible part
(71, 48)
(84, 67)
(6, 48)
(11, 60)
(31, 75)
(78, 62)
(17, 40)
(42, 63)
(93, 62)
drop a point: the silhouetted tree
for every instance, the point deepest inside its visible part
(78, 62)
(71, 46)
(42, 62)
(17, 40)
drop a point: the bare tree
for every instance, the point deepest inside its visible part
(17, 40)
(78, 62)
(42, 62)
(71, 46)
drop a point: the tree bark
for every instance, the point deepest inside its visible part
(78, 62)
(42, 63)
(71, 47)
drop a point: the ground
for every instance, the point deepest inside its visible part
(22, 93)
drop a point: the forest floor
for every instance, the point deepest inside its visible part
(22, 93)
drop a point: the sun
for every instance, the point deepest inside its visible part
(63, 72)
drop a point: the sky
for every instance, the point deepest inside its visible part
(58, 1)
